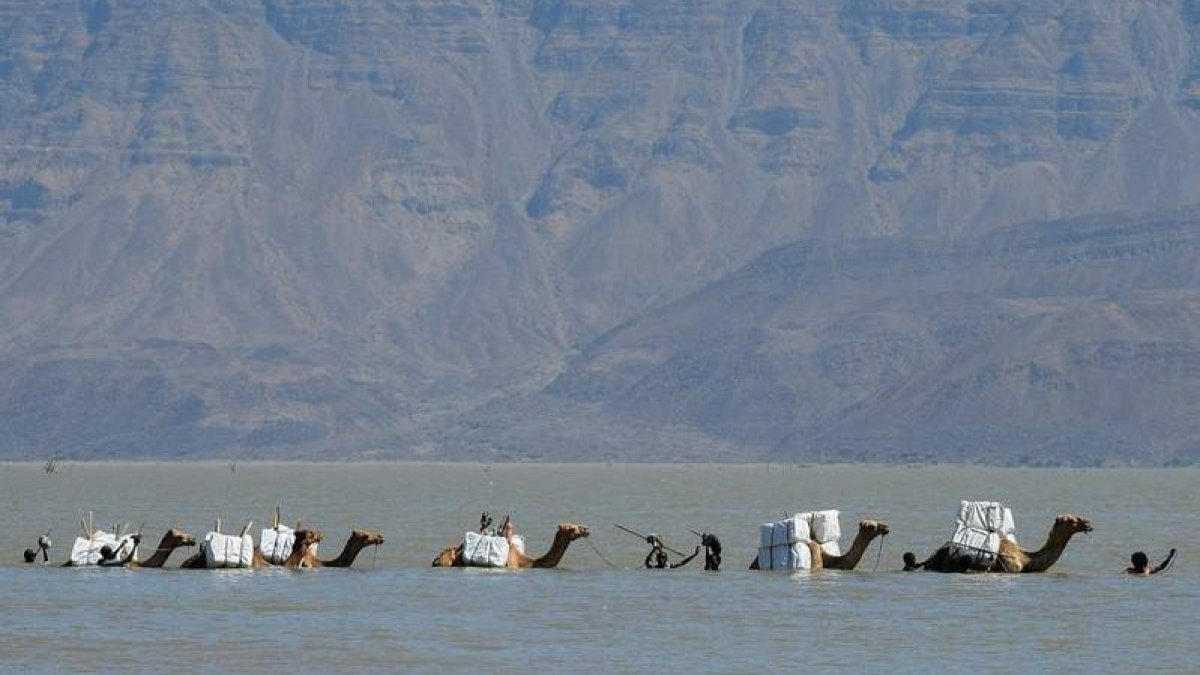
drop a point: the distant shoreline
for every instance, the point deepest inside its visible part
(506, 465)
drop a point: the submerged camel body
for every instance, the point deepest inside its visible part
(563, 536)
(868, 530)
(1012, 558)
(305, 538)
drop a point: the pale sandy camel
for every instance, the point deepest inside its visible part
(565, 534)
(867, 531)
(1012, 558)
(359, 539)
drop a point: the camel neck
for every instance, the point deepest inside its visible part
(1050, 552)
(557, 549)
(160, 555)
(346, 558)
(861, 541)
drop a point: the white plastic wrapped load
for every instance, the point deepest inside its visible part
(979, 529)
(987, 516)
(791, 530)
(276, 544)
(485, 550)
(228, 551)
(86, 552)
(825, 526)
(831, 548)
(788, 546)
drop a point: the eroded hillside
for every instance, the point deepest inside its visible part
(641, 229)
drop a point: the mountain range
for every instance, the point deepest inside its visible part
(646, 230)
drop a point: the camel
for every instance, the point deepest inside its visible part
(172, 540)
(868, 530)
(359, 539)
(1012, 558)
(563, 536)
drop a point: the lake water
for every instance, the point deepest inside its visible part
(394, 612)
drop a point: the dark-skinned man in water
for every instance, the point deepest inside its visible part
(1141, 564)
(656, 559)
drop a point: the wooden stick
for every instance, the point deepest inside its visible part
(647, 539)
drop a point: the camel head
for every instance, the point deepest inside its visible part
(175, 538)
(306, 537)
(873, 528)
(574, 531)
(1071, 524)
(448, 557)
(366, 538)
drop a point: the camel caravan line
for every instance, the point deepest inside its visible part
(280, 546)
(983, 540)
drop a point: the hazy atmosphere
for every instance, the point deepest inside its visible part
(614, 230)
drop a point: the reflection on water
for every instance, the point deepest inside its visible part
(394, 612)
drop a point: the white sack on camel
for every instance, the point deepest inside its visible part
(825, 526)
(986, 516)
(86, 552)
(485, 550)
(788, 544)
(276, 544)
(228, 551)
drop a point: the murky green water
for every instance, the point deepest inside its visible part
(394, 612)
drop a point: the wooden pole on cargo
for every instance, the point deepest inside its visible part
(646, 539)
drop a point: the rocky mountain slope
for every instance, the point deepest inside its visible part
(619, 229)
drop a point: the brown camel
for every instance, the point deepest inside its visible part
(359, 539)
(172, 540)
(1012, 558)
(304, 539)
(565, 534)
(867, 531)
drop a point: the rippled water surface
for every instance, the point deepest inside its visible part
(394, 612)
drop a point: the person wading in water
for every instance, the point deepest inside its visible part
(43, 548)
(1141, 564)
(712, 552)
(656, 559)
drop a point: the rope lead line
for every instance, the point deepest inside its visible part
(598, 553)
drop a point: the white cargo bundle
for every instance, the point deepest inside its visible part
(783, 545)
(276, 544)
(978, 531)
(486, 550)
(228, 551)
(825, 526)
(86, 552)
(987, 516)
